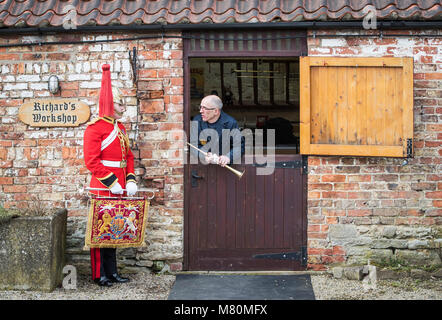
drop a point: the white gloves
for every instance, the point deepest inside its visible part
(131, 188)
(117, 189)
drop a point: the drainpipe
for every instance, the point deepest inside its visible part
(303, 25)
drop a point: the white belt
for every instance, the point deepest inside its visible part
(114, 164)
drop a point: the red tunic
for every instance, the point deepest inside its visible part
(115, 148)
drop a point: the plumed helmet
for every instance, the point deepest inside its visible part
(118, 97)
(106, 104)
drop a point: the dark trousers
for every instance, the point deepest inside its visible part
(103, 262)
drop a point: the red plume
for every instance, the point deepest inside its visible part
(106, 103)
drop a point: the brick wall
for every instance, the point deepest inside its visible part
(48, 162)
(358, 208)
(363, 208)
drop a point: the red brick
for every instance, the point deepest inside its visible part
(176, 99)
(433, 76)
(58, 56)
(9, 56)
(14, 188)
(149, 106)
(3, 153)
(434, 194)
(32, 56)
(333, 178)
(320, 186)
(314, 161)
(69, 152)
(335, 195)
(316, 267)
(331, 220)
(426, 49)
(359, 195)
(359, 178)
(147, 73)
(314, 195)
(333, 212)
(386, 177)
(317, 235)
(176, 266)
(346, 186)
(338, 250)
(359, 213)
(170, 126)
(6, 180)
(50, 142)
(145, 153)
(384, 41)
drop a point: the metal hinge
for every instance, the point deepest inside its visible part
(287, 164)
(409, 148)
(297, 255)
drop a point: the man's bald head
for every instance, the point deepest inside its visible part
(212, 101)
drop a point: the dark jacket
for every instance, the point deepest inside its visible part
(234, 150)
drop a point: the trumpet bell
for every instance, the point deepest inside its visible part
(238, 173)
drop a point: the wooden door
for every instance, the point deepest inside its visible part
(257, 222)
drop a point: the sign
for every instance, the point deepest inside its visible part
(54, 113)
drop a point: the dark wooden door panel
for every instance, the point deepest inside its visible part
(231, 221)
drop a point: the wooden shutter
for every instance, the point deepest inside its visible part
(356, 106)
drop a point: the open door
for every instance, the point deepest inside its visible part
(257, 222)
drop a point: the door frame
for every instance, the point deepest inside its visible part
(188, 53)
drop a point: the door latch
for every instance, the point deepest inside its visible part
(195, 178)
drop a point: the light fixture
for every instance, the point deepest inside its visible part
(53, 84)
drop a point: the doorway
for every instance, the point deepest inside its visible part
(257, 222)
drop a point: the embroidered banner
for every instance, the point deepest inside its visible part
(116, 223)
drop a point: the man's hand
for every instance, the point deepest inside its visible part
(116, 189)
(131, 188)
(223, 160)
(211, 158)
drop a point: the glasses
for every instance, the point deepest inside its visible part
(205, 108)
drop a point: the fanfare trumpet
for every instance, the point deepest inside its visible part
(152, 191)
(238, 173)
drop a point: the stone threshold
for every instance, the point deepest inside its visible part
(252, 273)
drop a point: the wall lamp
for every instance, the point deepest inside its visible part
(53, 84)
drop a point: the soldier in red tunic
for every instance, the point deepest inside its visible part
(108, 157)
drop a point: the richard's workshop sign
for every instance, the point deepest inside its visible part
(54, 113)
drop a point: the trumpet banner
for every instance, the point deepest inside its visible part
(116, 223)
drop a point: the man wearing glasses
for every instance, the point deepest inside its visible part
(218, 133)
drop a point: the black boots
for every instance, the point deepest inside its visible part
(107, 282)
(116, 278)
(104, 282)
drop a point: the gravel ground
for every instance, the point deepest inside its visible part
(328, 288)
(143, 286)
(149, 286)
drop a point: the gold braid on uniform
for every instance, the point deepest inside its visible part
(124, 142)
